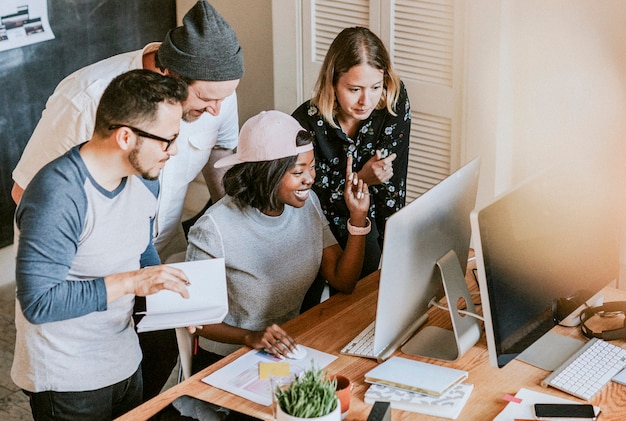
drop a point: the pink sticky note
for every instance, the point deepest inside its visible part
(512, 398)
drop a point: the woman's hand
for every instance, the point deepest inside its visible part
(342, 268)
(272, 340)
(356, 196)
(377, 169)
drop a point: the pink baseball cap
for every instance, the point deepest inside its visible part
(267, 136)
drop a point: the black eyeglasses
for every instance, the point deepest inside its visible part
(141, 133)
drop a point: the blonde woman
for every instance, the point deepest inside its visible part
(360, 108)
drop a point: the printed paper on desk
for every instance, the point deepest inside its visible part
(241, 377)
(523, 406)
(207, 302)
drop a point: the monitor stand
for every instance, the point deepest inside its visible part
(550, 351)
(443, 344)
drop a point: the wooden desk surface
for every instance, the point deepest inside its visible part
(333, 323)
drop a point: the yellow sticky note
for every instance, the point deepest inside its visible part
(273, 369)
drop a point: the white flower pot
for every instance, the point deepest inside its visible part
(333, 416)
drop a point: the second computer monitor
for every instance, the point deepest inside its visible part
(546, 249)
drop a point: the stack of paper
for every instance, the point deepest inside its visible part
(419, 387)
(448, 405)
(416, 376)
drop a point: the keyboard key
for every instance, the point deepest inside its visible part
(363, 344)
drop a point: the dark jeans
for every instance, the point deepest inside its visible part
(94, 405)
(160, 354)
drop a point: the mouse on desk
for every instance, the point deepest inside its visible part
(298, 354)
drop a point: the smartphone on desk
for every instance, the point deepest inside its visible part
(562, 412)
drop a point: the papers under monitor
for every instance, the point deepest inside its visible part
(207, 302)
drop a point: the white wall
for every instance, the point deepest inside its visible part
(570, 62)
(545, 79)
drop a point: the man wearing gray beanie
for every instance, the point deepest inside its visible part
(204, 48)
(205, 53)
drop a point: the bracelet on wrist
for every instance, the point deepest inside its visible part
(360, 230)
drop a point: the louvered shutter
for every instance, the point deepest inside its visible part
(423, 47)
(326, 18)
(424, 39)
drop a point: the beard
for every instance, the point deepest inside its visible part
(189, 118)
(133, 159)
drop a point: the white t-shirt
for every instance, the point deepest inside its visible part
(69, 119)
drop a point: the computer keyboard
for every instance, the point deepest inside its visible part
(588, 370)
(363, 344)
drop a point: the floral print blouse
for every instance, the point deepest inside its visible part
(381, 131)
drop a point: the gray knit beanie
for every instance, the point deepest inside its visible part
(204, 48)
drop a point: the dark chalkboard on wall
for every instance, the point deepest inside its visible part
(85, 31)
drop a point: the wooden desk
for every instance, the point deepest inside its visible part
(333, 323)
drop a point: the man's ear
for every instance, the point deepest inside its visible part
(124, 138)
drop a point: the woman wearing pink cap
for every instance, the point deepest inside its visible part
(274, 237)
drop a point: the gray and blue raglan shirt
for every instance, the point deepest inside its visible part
(73, 233)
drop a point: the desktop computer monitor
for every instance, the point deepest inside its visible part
(544, 251)
(416, 237)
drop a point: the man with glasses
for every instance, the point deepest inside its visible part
(205, 53)
(85, 224)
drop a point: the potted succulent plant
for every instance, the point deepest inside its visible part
(310, 396)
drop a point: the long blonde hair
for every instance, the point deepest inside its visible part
(351, 47)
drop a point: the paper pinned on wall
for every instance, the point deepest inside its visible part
(23, 22)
